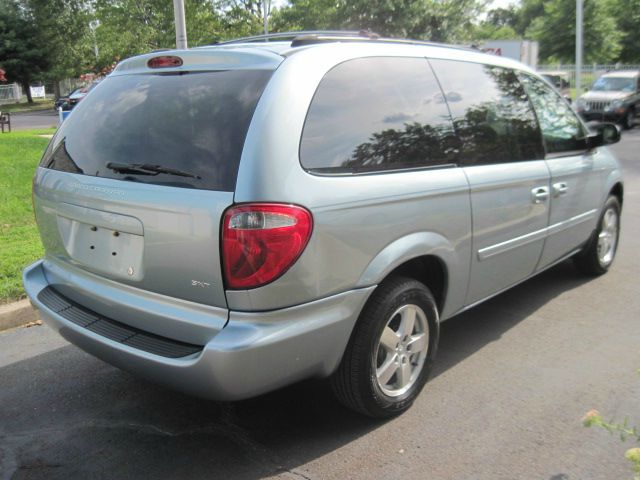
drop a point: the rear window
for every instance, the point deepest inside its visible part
(193, 124)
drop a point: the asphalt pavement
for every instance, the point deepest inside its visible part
(512, 380)
(37, 119)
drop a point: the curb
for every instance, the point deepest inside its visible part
(17, 314)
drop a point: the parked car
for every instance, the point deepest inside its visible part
(560, 80)
(71, 100)
(615, 96)
(228, 220)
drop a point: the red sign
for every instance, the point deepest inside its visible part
(494, 51)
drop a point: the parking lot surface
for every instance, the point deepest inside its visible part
(512, 380)
(38, 119)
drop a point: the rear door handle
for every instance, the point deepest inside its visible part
(560, 189)
(539, 194)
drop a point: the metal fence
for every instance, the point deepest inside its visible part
(11, 93)
(589, 73)
(68, 85)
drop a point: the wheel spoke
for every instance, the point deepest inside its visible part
(404, 374)
(611, 221)
(407, 321)
(608, 237)
(389, 339)
(401, 350)
(387, 369)
(418, 343)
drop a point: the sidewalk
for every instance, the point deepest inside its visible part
(17, 314)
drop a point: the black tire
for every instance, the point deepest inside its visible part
(355, 383)
(591, 260)
(629, 120)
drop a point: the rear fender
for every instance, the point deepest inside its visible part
(417, 245)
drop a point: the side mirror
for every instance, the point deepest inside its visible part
(602, 133)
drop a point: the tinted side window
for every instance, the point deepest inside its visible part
(561, 128)
(491, 113)
(377, 113)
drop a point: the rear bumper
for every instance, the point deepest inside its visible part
(255, 353)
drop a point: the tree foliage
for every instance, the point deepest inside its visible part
(556, 31)
(21, 52)
(437, 20)
(306, 15)
(131, 27)
(56, 41)
(627, 16)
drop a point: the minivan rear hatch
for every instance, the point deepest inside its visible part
(133, 185)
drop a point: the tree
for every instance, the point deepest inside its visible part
(556, 31)
(56, 46)
(63, 27)
(306, 15)
(529, 11)
(436, 20)
(22, 54)
(132, 27)
(627, 15)
(500, 24)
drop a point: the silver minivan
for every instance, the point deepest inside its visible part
(231, 219)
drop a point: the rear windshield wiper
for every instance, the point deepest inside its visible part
(147, 169)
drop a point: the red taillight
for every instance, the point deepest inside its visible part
(164, 61)
(261, 241)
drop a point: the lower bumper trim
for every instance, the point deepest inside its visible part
(112, 329)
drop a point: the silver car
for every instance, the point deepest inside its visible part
(231, 219)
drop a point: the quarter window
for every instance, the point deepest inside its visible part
(561, 128)
(377, 113)
(491, 113)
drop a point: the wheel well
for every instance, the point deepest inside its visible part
(429, 270)
(617, 190)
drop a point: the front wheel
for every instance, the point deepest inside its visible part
(629, 119)
(598, 255)
(391, 350)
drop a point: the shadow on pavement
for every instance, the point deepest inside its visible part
(65, 414)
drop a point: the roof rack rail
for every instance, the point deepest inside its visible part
(312, 37)
(292, 35)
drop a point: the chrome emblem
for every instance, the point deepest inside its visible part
(130, 271)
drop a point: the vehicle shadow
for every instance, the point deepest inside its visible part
(65, 414)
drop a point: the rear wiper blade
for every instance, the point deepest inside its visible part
(148, 169)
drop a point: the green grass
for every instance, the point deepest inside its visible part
(20, 243)
(38, 104)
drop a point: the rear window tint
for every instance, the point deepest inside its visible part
(377, 113)
(195, 123)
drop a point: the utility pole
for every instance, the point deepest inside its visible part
(181, 27)
(265, 15)
(93, 24)
(578, 47)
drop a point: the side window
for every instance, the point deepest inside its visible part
(561, 129)
(377, 113)
(491, 113)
